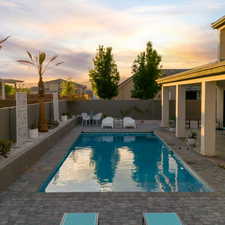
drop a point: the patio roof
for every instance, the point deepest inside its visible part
(10, 81)
(205, 71)
(219, 23)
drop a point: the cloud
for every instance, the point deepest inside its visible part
(76, 63)
(73, 29)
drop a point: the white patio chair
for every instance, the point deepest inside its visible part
(108, 122)
(128, 122)
(97, 118)
(85, 119)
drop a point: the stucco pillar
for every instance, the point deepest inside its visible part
(3, 90)
(165, 107)
(180, 111)
(219, 105)
(208, 118)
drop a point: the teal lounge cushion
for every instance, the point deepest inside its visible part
(162, 219)
(79, 219)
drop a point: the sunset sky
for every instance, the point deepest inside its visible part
(180, 31)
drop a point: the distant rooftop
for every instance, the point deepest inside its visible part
(62, 80)
(10, 81)
(164, 73)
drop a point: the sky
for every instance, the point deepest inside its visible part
(73, 29)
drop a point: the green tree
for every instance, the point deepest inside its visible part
(9, 90)
(68, 89)
(146, 69)
(104, 77)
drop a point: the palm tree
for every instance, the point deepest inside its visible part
(41, 64)
(3, 40)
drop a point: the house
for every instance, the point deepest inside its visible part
(56, 86)
(125, 88)
(210, 78)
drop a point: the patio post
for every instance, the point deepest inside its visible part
(208, 118)
(219, 105)
(180, 111)
(165, 107)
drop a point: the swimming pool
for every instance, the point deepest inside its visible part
(121, 162)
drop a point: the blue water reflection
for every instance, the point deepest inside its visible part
(102, 162)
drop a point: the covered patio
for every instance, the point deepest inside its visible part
(211, 78)
(3, 82)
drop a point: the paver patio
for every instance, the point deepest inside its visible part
(21, 204)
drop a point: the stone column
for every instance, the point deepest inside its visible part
(219, 105)
(208, 119)
(55, 106)
(165, 107)
(180, 111)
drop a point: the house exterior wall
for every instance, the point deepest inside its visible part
(124, 91)
(55, 86)
(52, 87)
(222, 44)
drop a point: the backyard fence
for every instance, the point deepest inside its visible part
(8, 117)
(138, 109)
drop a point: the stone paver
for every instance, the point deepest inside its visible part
(21, 204)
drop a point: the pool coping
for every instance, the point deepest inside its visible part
(193, 172)
(206, 170)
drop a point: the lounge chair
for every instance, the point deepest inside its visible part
(128, 122)
(79, 219)
(161, 219)
(108, 122)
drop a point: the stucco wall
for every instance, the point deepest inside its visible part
(222, 44)
(138, 109)
(8, 118)
(124, 91)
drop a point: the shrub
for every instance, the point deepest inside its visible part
(5, 147)
(193, 135)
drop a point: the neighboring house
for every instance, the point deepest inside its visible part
(7, 81)
(127, 86)
(55, 86)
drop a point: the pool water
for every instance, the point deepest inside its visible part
(121, 162)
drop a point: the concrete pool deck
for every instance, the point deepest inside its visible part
(21, 204)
